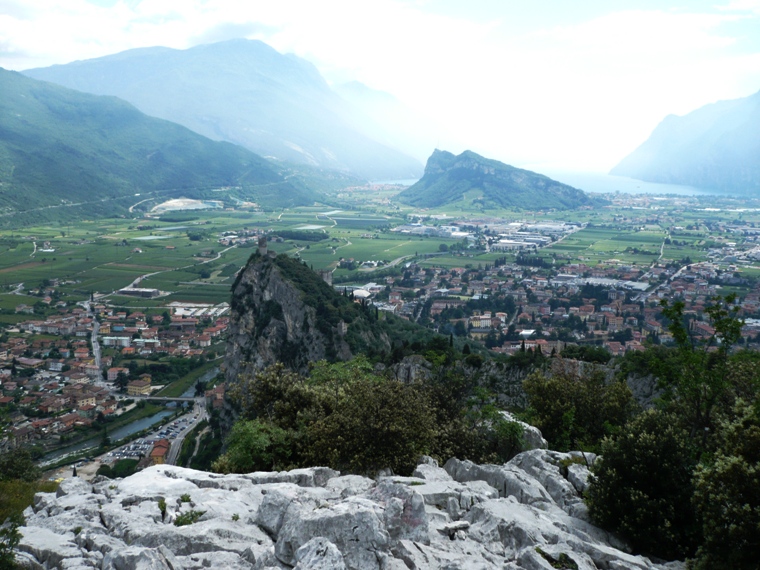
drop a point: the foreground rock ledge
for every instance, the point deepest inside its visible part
(463, 516)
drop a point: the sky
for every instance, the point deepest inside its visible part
(550, 84)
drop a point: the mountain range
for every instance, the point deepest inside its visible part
(449, 178)
(62, 149)
(715, 147)
(246, 93)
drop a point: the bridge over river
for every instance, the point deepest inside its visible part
(163, 399)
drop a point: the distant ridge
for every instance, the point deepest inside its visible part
(716, 147)
(60, 148)
(244, 92)
(448, 178)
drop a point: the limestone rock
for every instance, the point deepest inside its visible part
(531, 436)
(411, 369)
(319, 554)
(404, 514)
(428, 469)
(349, 485)
(464, 516)
(352, 525)
(271, 321)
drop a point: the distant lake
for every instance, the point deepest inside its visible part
(603, 183)
(405, 182)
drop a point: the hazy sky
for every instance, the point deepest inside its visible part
(551, 83)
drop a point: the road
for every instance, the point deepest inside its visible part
(139, 279)
(644, 296)
(95, 343)
(648, 274)
(176, 444)
(87, 306)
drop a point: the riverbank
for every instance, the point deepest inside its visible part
(131, 425)
(177, 389)
(88, 448)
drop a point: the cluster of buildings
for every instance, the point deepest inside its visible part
(189, 331)
(55, 408)
(52, 382)
(609, 304)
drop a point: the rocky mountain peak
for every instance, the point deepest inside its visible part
(450, 178)
(282, 311)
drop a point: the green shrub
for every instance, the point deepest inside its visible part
(18, 464)
(253, 446)
(105, 470)
(16, 495)
(378, 424)
(9, 539)
(642, 486)
(124, 468)
(562, 562)
(187, 518)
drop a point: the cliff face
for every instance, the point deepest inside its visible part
(272, 322)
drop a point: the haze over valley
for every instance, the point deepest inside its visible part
(391, 285)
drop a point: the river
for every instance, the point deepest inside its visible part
(125, 430)
(94, 442)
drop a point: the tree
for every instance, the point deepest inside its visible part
(575, 406)
(121, 381)
(700, 378)
(254, 445)
(642, 486)
(9, 539)
(18, 465)
(727, 496)
(378, 424)
(105, 441)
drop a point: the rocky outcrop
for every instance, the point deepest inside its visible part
(282, 311)
(531, 436)
(449, 178)
(517, 515)
(270, 322)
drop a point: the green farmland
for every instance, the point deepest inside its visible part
(180, 253)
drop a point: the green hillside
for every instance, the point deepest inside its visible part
(67, 154)
(243, 92)
(448, 178)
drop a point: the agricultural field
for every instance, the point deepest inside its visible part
(593, 245)
(180, 253)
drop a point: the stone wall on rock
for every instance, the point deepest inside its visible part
(520, 515)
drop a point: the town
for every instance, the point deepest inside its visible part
(79, 356)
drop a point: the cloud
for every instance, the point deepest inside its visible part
(752, 6)
(584, 93)
(232, 30)
(16, 10)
